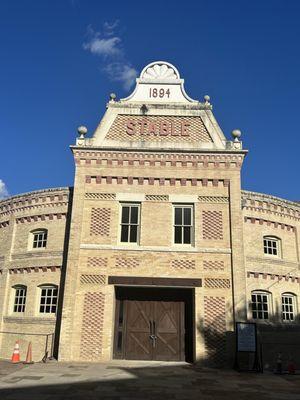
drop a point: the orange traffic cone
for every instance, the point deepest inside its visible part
(29, 355)
(15, 358)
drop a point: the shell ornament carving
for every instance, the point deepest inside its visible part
(160, 72)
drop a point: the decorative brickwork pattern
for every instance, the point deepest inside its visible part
(43, 217)
(196, 130)
(215, 329)
(216, 283)
(272, 224)
(212, 225)
(97, 262)
(156, 197)
(272, 277)
(4, 224)
(87, 279)
(28, 270)
(183, 264)
(47, 198)
(122, 158)
(270, 205)
(92, 326)
(213, 199)
(100, 221)
(100, 196)
(127, 263)
(210, 265)
(151, 180)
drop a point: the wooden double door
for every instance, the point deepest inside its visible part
(154, 330)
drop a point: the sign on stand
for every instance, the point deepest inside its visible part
(246, 342)
(246, 336)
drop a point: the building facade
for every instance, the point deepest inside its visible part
(156, 252)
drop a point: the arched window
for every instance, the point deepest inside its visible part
(39, 238)
(272, 246)
(288, 306)
(260, 304)
(19, 298)
(49, 295)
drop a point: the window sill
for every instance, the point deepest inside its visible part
(272, 257)
(37, 249)
(22, 319)
(127, 245)
(182, 246)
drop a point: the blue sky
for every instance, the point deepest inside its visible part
(60, 59)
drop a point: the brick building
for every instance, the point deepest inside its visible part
(156, 251)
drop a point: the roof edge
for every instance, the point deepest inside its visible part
(40, 191)
(261, 196)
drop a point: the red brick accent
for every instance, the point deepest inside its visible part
(183, 264)
(212, 225)
(92, 326)
(216, 283)
(213, 265)
(89, 279)
(43, 217)
(4, 224)
(215, 329)
(263, 275)
(100, 221)
(97, 262)
(133, 180)
(197, 131)
(269, 223)
(21, 270)
(127, 262)
(165, 159)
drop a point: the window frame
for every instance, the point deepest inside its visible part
(16, 296)
(129, 224)
(32, 241)
(192, 226)
(293, 304)
(276, 240)
(51, 304)
(269, 305)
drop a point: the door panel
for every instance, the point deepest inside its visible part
(167, 317)
(138, 345)
(154, 330)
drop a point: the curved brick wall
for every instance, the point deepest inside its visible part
(21, 264)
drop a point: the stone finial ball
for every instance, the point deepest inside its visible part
(112, 96)
(207, 98)
(82, 130)
(236, 133)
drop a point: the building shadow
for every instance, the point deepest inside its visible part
(181, 382)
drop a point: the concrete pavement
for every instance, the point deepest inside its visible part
(139, 380)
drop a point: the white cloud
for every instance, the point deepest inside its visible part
(109, 27)
(108, 46)
(123, 73)
(3, 190)
(104, 47)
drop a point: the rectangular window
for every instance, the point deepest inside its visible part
(287, 308)
(260, 306)
(48, 300)
(130, 223)
(183, 224)
(39, 239)
(271, 246)
(20, 299)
